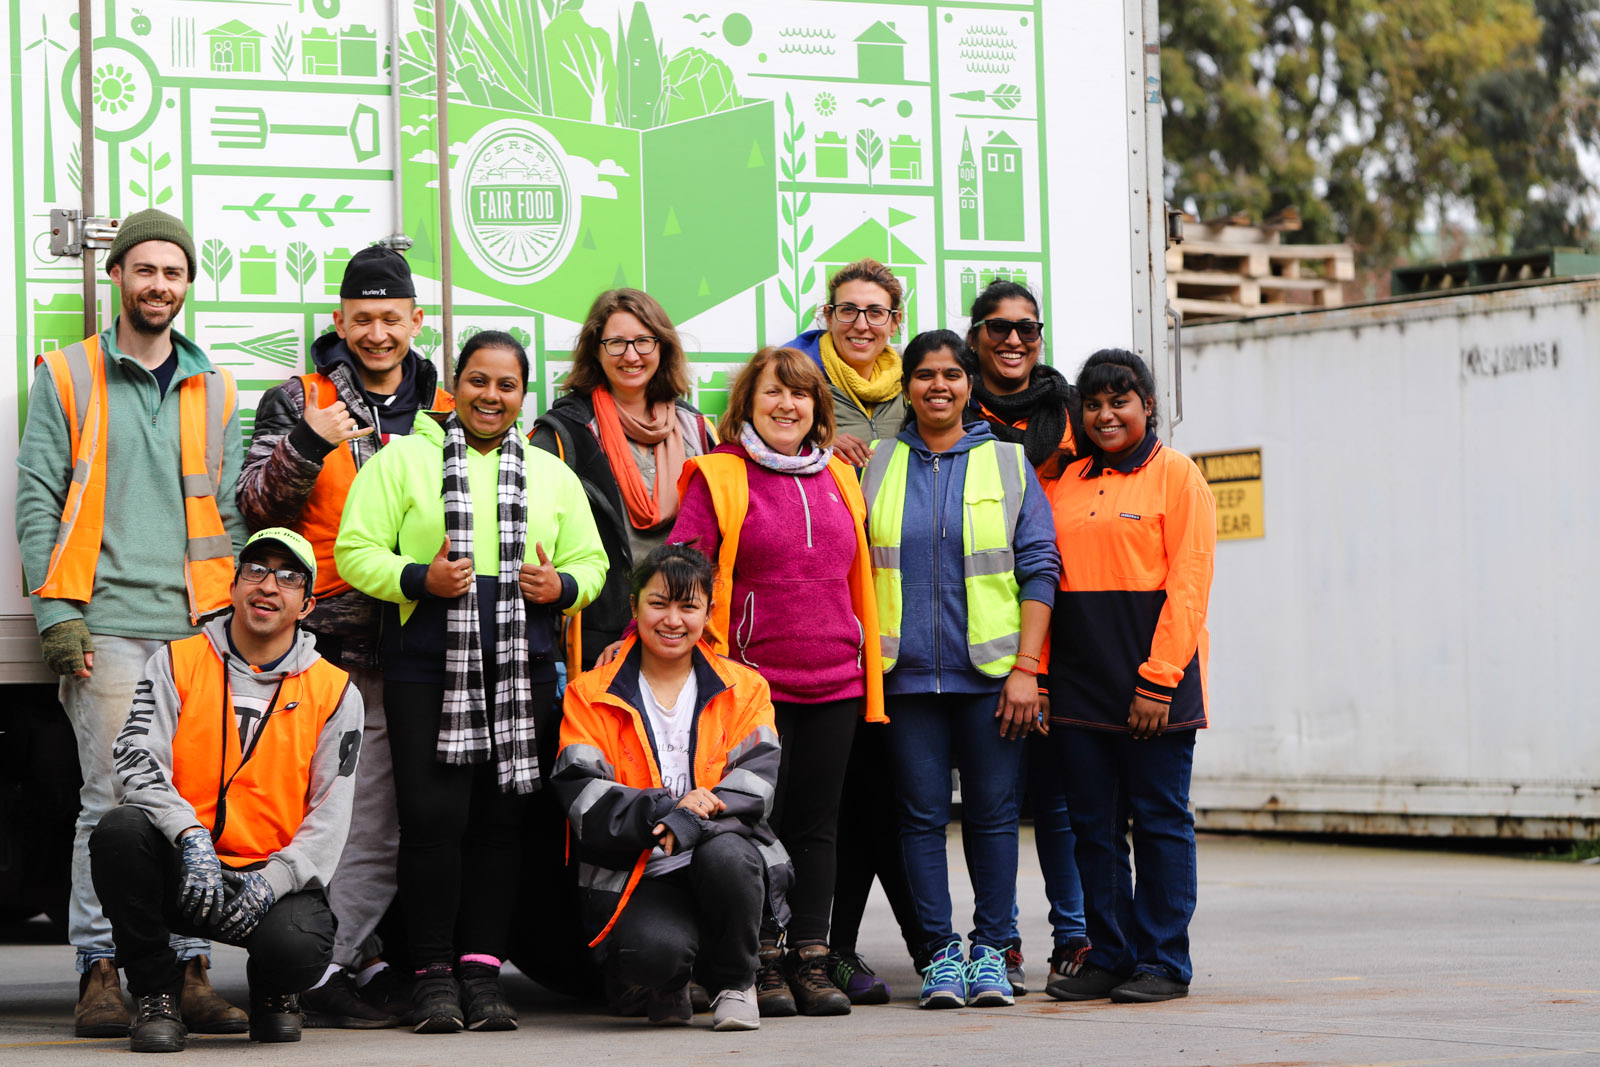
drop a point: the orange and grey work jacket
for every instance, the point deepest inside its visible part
(1137, 541)
(205, 405)
(608, 776)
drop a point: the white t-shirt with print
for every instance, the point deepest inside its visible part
(671, 728)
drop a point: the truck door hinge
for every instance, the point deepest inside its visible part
(71, 232)
(397, 241)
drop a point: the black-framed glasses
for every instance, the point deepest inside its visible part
(615, 346)
(1028, 331)
(877, 314)
(288, 578)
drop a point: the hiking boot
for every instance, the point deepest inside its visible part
(669, 1008)
(435, 1005)
(1068, 959)
(204, 1010)
(735, 1009)
(1090, 983)
(101, 1011)
(483, 999)
(335, 1005)
(987, 984)
(1014, 972)
(772, 989)
(699, 999)
(1147, 988)
(851, 974)
(807, 970)
(157, 1024)
(275, 1018)
(944, 984)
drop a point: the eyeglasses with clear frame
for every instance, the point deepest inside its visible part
(288, 578)
(615, 346)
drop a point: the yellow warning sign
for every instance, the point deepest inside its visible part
(1235, 480)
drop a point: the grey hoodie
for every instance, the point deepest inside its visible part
(143, 758)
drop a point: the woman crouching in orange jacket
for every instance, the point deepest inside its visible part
(667, 772)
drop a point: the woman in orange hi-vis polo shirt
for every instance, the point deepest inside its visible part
(1136, 526)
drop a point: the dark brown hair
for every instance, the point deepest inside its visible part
(868, 270)
(796, 370)
(671, 379)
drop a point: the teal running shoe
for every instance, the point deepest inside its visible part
(944, 984)
(987, 984)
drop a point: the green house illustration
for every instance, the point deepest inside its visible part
(881, 54)
(333, 265)
(358, 52)
(833, 155)
(258, 271)
(235, 48)
(905, 158)
(873, 240)
(1002, 189)
(319, 51)
(967, 189)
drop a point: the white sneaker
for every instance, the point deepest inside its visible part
(735, 1009)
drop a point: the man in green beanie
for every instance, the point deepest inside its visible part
(128, 527)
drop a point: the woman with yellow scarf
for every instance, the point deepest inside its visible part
(852, 348)
(863, 311)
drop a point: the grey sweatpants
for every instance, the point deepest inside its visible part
(363, 886)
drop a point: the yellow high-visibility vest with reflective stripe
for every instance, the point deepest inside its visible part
(991, 498)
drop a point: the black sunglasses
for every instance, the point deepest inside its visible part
(1028, 331)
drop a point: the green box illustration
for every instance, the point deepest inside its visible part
(258, 271)
(833, 155)
(57, 322)
(333, 264)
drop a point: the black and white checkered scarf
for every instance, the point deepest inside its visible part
(470, 731)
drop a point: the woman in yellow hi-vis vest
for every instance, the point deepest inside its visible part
(964, 567)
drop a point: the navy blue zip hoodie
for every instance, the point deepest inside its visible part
(934, 656)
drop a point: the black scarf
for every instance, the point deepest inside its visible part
(1045, 403)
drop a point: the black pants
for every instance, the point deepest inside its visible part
(461, 838)
(869, 843)
(703, 918)
(805, 811)
(136, 874)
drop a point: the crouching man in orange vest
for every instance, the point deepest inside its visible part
(128, 525)
(237, 764)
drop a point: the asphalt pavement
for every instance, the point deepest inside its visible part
(1305, 954)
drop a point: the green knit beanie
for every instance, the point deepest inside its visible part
(151, 224)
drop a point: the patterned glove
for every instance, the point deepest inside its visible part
(249, 898)
(200, 892)
(64, 646)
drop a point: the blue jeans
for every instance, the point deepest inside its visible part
(1112, 782)
(926, 735)
(1052, 834)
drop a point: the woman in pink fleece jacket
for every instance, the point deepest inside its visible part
(797, 607)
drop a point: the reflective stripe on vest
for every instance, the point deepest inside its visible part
(991, 504)
(79, 375)
(324, 507)
(266, 800)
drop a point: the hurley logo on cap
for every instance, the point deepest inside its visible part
(374, 292)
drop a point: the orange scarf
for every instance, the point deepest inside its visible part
(646, 507)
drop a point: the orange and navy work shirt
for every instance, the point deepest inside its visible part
(1137, 541)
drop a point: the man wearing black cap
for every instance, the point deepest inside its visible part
(312, 434)
(128, 525)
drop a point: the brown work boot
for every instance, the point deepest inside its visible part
(204, 1010)
(101, 1011)
(806, 967)
(773, 995)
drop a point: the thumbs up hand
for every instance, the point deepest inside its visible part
(448, 578)
(540, 584)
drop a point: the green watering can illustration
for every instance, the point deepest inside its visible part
(247, 127)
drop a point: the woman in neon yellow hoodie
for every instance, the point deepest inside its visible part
(438, 525)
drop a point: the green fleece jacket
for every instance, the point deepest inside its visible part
(394, 518)
(139, 586)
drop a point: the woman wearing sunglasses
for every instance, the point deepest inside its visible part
(625, 430)
(1024, 401)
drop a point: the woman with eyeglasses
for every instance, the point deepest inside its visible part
(863, 371)
(476, 546)
(1031, 403)
(852, 348)
(624, 428)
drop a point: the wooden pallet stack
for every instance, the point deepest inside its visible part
(1233, 268)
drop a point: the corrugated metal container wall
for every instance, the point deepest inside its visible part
(1412, 646)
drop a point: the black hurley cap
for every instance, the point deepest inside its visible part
(376, 271)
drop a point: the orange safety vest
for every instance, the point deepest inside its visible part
(79, 374)
(262, 793)
(320, 515)
(730, 495)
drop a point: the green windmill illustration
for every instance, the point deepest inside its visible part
(49, 156)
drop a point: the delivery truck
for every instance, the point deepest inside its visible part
(527, 154)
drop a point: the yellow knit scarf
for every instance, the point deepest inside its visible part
(867, 393)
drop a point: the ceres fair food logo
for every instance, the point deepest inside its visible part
(515, 210)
